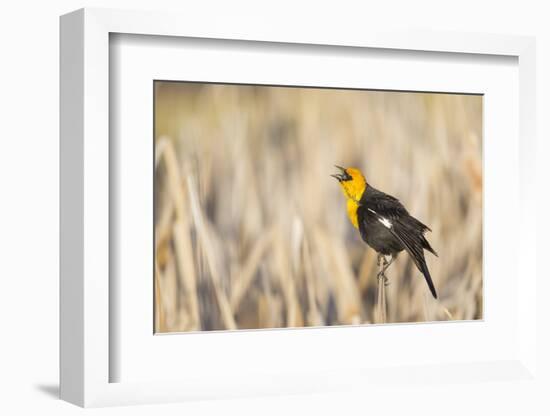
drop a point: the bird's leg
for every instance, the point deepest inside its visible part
(379, 259)
(382, 260)
(385, 267)
(385, 264)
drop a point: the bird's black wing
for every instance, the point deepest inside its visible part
(391, 208)
(383, 203)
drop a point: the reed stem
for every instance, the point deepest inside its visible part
(381, 300)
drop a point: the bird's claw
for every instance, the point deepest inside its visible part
(382, 276)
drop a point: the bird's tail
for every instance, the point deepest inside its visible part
(424, 269)
(415, 243)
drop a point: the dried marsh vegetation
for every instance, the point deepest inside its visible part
(252, 232)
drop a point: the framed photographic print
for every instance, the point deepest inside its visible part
(266, 212)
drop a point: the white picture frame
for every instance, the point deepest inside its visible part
(86, 357)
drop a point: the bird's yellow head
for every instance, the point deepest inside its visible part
(352, 182)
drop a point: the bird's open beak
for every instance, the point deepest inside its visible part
(340, 176)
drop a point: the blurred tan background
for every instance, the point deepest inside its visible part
(252, 232)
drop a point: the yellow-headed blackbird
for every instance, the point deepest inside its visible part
(384, 223)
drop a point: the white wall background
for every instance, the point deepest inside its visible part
(29, 204)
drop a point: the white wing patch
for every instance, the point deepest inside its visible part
(385, 222)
